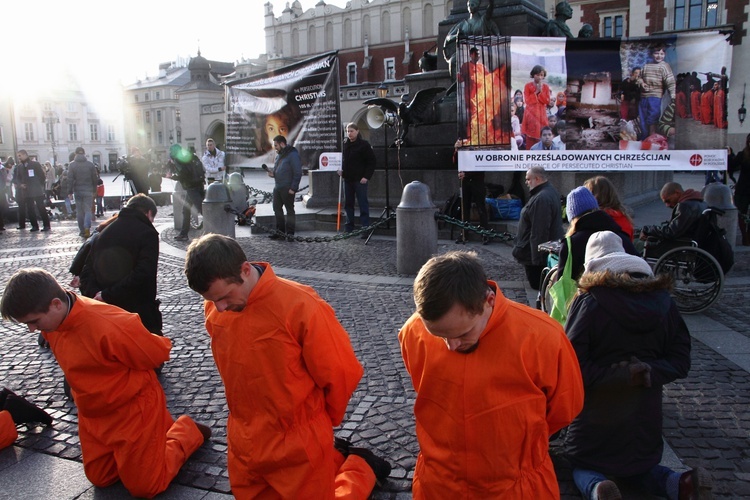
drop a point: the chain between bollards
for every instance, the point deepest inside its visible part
(317, 239)
(489, 233)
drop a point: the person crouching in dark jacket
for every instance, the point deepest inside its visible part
(630, 341)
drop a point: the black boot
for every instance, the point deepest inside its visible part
(3, 395)
(24, 412)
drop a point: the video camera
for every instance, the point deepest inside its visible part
(124, 167)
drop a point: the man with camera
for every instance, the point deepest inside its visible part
(188, 170)
(135, 169)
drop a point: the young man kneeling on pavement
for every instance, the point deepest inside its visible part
(289, 370)
(108, 357)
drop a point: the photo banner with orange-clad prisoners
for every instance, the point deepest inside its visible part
(658, 94)
(299, 102)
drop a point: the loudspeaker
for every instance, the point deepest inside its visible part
(375, 117)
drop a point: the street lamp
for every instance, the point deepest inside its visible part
(51, 119)
(742, 112)
(382, 90)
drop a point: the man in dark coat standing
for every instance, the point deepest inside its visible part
(541, 221)
(82, 177)
(358, 165)
(29, 180)
(286, 173)
(122, 264)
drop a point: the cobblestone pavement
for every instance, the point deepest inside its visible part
(706, 422)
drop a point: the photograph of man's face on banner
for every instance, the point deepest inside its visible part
(482, 92)
(538, 77)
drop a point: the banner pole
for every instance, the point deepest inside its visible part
(338, 210)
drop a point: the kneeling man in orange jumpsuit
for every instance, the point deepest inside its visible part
(494, 380)
(108, 358)
(289, 370)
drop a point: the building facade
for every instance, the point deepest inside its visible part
(51, 127)
(378, 41)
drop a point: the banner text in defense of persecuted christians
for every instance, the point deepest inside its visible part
(488, 160)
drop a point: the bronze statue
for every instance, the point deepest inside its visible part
(586, 31)
(475, 25)
(557, 27)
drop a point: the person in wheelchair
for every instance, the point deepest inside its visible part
(687, 206)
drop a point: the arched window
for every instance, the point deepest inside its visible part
(406, 23)
(279, 43)
(347, 33)
(365, 28)
(385, 27)
(295, 42)
(311, 43)
(428, 26)
(329, 37)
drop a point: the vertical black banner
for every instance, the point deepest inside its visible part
(300, 102)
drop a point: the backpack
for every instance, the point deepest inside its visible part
(452, 207)
(712, 238)
(190, 174)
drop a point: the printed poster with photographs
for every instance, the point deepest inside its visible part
(656, 103)
(299, 102)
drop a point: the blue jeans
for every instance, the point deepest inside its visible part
(649, 111)
(660, 481)
(352, 189)
(84, 210)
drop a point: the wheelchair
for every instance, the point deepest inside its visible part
(697, 276)
(549, 274)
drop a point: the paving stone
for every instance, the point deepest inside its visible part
(706, 419)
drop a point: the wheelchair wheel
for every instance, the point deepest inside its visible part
(547, 282)
(698, 278)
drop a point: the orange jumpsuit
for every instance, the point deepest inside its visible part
(484, 419)
(695, 104)
(8, 432)
(682, 105)
(125, 429)
(707, 107)
(289, 370)
(719, 109)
